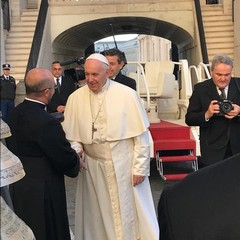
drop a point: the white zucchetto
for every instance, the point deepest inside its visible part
(99, 57)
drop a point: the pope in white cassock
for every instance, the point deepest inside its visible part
(108, 127)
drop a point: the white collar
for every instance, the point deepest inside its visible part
(60, 79)
(33, 100)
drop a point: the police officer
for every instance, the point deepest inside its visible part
(8, 91)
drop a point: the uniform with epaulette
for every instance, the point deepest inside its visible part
(8, 91)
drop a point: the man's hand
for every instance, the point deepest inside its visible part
(137, 179)
(61, 108)
(213, 108)
(83, 166)
(233, 113)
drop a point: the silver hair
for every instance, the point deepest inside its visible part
(221, 58)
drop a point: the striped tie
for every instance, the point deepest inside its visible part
(222, 95)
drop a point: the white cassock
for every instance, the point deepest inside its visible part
(112, 128)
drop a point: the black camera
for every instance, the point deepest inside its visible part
(75, 74)
(225, 106)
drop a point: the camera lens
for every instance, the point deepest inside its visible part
(226, 106)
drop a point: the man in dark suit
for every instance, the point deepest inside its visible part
(204, 205)
(38, 139)
(117, 61)
(64, 87)
(219, 124)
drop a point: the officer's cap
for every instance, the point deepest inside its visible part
(6, 66)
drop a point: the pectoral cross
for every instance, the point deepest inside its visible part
(93, 130)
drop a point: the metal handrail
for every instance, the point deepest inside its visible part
(140, 71)
(203, 67)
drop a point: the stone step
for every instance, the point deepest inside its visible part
(19, 70)
(29, 18)
(212, 8)
(16, 52)
(27, 12)
(18, 40)
(210, 56)
(215, 18)
(213, 51)
(18, 76)
(12, 57)
(19, 63)
(23, 23)
(212, 13)
(219, 29)
(18, 46)
(219, 46)
(22, 29)
(217, 24)
(211, 34)
(20, 34)
(222, 40)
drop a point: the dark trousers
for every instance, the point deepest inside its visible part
(6, 107)
(228, 153)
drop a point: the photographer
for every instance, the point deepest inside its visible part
(215, 107)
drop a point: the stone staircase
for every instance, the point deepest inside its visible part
(19, 41)
(219, 30)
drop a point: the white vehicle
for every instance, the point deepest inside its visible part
(165, 98)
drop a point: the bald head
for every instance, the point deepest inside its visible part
(37, 81)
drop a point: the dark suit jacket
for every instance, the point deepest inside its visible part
(130, 82)
(7, 88)
(39, 198)
(67, 87)
(218, 131)
(204, 205)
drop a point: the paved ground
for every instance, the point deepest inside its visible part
(157, 185)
